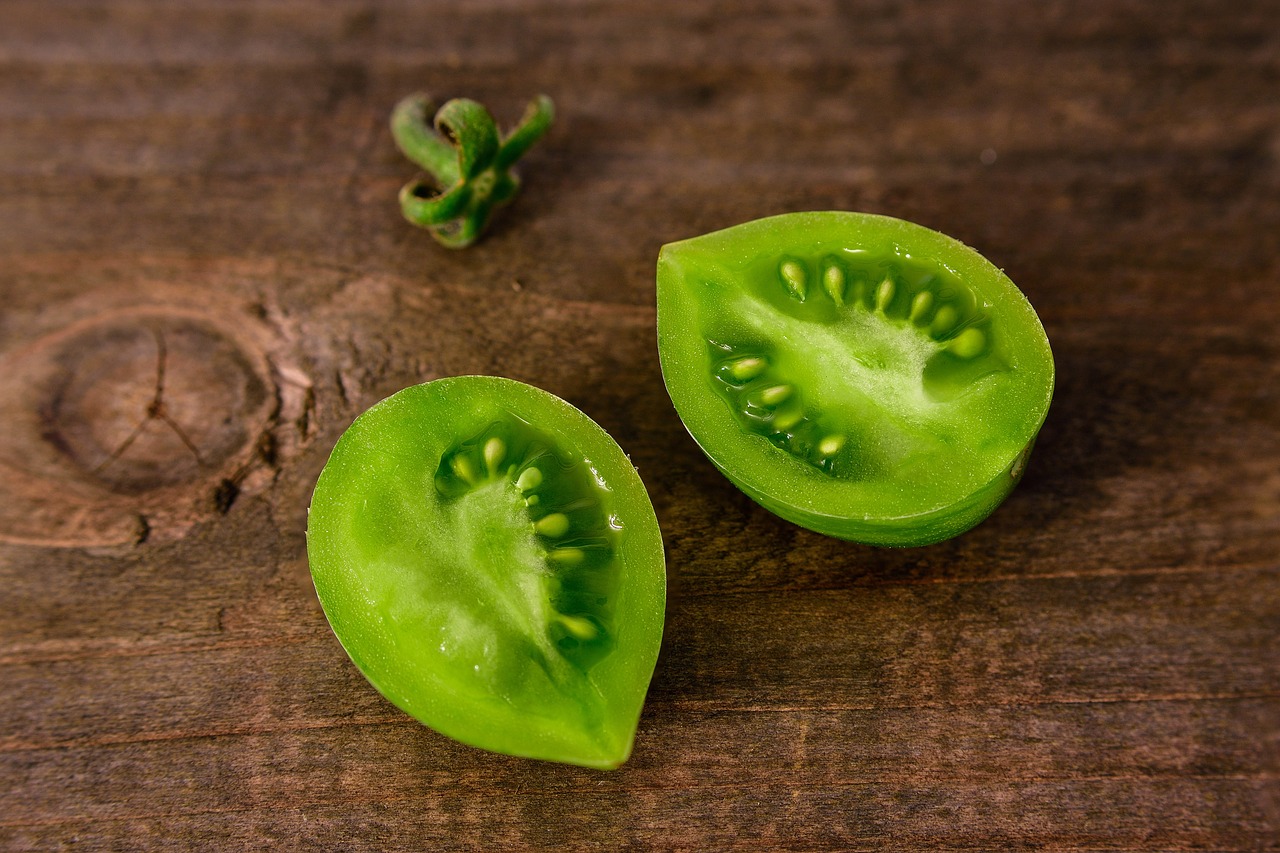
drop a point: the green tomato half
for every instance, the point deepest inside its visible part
(490, 560)
(861, 376)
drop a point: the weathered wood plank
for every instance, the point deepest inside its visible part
(669, 33)
(687, 747)
(1054, 640)
(1101, 464)
(1157, 267)
(1217, 814)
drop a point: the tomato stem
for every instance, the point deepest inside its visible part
(467, 164)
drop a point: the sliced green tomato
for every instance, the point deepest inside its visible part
(490, 560)
(858, 375)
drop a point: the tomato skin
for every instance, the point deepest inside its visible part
(497, 620)
(916, 374)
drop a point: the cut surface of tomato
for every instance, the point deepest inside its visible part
(859, 375)
(490, 560)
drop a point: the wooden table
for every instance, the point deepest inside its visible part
(205, 277)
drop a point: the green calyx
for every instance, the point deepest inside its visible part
(467, 163)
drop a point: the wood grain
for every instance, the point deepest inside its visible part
(205, 278)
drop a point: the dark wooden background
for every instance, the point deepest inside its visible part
(204, 277)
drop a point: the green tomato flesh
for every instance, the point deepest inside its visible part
(859, 375)
(490, 560)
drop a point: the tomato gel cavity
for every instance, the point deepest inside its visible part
(490, 560)
(859, 375)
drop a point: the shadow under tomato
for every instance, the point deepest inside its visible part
(1130, 398)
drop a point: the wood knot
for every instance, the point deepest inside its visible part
(151, 402)
(124, 424)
